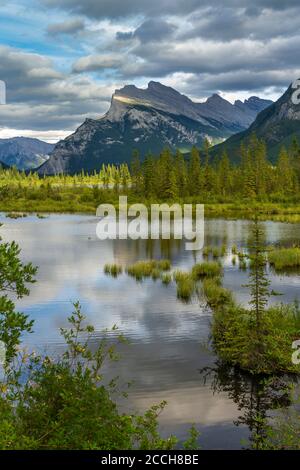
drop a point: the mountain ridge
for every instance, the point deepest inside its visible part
(277, 125)
(147, 120)
(25, 153)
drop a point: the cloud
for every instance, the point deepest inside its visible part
(151, 30)
(156, 8)
(42, 98)
(97, 62)
(234, 47)
(72, 26)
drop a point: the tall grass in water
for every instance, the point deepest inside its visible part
(214, 251)
(206, 269)
(148, 268)
(166, 278)
(215, 294)
(285, 258)
(113, 269)
(185, 285)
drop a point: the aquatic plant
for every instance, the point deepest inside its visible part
(285, 258)
(206, 269)
(113, 270)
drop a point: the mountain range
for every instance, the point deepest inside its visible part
(277, 125)
(24, 153)
(148, 120)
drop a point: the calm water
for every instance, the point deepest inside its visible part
(168, 339)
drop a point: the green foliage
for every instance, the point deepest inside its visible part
(185, 285)
(166, 278)
(215, 294)
(285, 258)
(206, 269)
(283, 432)
(14, 279)
(258, 280)
(149, 268)
(236, 340)
(64, 404)
(252, 186)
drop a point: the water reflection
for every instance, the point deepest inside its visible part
(167, 337)
(256, 397)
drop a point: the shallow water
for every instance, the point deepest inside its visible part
(168, 339)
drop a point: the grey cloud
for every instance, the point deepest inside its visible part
(254, 83)
(120, 8)
(154, 30)
(226, 24)
(41, 98)
(97, 62)
(151, 30)
(124, 36)
(72, 26)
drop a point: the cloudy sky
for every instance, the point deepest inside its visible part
(62, 59)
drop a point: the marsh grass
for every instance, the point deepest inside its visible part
(166, 278)
(206, 269)
(185, 285)
(155, 274)
(234, 250)
(243, 265)
(285, 258)
(214, 251)
(215, 294)
(113, 270)
(148, 268)
(16, 215)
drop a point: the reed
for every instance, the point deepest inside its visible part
(113, 270)
(148, 268)
(206, 269)
(215, 294)
(166, 278)
(185, 285)
(285, 258)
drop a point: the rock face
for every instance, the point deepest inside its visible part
(24, 153)
(148, 120)
(277, 126)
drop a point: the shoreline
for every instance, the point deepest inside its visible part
(276, 212)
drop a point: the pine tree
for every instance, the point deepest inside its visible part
(149, 176)
(194, 176)
(136, 173)
(258, 280)
(285, 173)
(224, 172)
(168, 184)
(181, 174)
(208, 174)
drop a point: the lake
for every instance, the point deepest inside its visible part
(169, 340)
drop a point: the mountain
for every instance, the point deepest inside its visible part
(148, 120)
(277, 126)
(24, 153)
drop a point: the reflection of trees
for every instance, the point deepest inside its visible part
(255, 396)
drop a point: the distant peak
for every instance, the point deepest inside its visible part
(216, 98)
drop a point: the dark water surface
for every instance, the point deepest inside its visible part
(168, 339)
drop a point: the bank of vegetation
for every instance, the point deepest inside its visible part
(254, 187)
